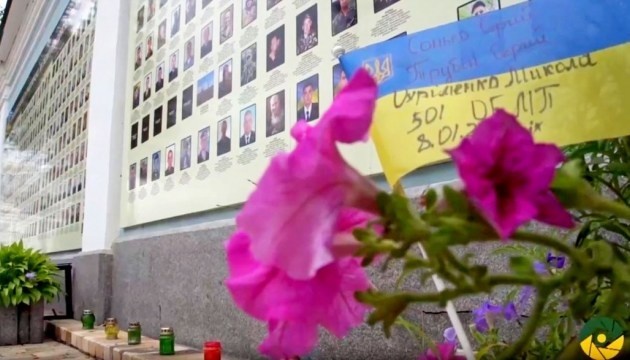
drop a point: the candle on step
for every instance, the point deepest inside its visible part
(111, 329)
(88, 319)
(134, 334)
(212, 350)
(167, 341)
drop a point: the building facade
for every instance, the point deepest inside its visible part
(136, 129)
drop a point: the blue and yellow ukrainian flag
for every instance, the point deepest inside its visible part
(562, 66)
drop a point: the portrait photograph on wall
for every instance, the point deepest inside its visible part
(155, 167)
(248, 126)
(140, 19)
(275, 48)
(132, 176)
(184, 161)
(161, 34)
(143, 171)
(173, 69)
(225, 78)
(248, 65)
(224, 141)
(175, 19)
(145, 128)
(171, 113)
(187, 102)
(206, 40)
(272, 3)
(136, 95)
(249, 12)
(344, 15)
(275, 114)
(157, 120)
(380, 5)
(191, 10)
(306, 23)
(169, 166)
(226, 29)
(134, 135)
(159, 77)
(307, 93)
(476, 8)
(189, 53)
(205, 88)
(339, 79)
(203, 145)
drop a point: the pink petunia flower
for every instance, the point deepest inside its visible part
(446, 351)
(294, 309)
(507, 176)
(292, 215)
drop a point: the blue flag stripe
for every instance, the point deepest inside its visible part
(519, 36)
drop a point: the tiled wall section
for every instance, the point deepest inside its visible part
(44, 161)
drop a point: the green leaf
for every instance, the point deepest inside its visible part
(387, 308)
(15, 288)
(36, 295)
(456, 200)
(430, 197)
(522, 265)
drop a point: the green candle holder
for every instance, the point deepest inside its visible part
(167, 341)
(88, 319)
(134, 334)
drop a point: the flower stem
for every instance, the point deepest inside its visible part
(450, 294)
(612, 207)
(550, 242)
(530, 329)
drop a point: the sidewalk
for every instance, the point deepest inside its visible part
(49, 350)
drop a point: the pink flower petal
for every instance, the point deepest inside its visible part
(350, 116)
(289, 338)
(552, 212)
(269, 294)
(446, 351)
(301, 195)
(345, 312)
(507, 176)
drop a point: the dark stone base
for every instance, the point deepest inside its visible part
(178, 280)
(22, 324)
(92, 284)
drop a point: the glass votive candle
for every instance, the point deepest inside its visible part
(111, 329)
(88, 319)
(167, 341)
(212, 350)
(134, 334)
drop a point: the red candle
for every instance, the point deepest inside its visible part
(212, 350)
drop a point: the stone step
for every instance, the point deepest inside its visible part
(93, 342)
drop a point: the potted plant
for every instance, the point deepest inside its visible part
(27, 279)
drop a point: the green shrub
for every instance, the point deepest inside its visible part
(26, 276)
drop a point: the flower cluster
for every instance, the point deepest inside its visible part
(294, 260)
(291, 258)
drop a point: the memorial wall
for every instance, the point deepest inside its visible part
(43, 176)
(214, 87)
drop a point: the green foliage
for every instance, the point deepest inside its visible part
(605, 165)
(595, 279)
(26, 276)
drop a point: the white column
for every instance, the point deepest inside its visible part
(105, 127)
(4, 114)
